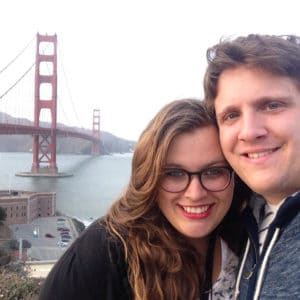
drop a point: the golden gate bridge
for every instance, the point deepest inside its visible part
(44, 137)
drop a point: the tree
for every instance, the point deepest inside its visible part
(14, 244)
(2, 214)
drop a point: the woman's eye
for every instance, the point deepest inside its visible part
(213, 172)
(174, 173)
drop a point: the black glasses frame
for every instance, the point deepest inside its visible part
(199, 175)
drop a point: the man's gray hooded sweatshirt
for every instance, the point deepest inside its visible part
(275, 272)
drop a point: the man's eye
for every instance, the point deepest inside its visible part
(272, 105)
(230, 116)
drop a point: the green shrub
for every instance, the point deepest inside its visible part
(15, 283)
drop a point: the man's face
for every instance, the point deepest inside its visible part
(259, 120)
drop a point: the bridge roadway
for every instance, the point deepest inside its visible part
(33, 130)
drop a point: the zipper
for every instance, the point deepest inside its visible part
(264, 264)
(250, 273)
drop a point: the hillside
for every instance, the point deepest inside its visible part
(14, 280)
(23, 143)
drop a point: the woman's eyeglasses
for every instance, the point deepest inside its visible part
(213, 179)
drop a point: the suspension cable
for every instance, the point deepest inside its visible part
(9, 89)
(17, 56)
(69, 92)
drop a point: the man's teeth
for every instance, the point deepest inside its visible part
(196, 210)
(259, 154)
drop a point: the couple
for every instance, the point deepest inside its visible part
(187, 227)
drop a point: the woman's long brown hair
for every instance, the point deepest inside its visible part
(161, 263)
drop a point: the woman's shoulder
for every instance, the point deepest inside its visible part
(90, 252)
(94, 233)
(97, 244)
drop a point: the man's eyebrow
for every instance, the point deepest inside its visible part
(275, 98)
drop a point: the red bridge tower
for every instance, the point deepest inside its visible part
(96, 132)
(44, 146)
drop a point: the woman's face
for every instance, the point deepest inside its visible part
(195, 212)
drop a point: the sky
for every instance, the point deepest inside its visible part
(128, 58)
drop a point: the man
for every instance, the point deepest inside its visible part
(253, 85)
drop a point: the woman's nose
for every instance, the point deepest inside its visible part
(195, 191)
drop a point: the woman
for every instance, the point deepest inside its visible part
(174, 232)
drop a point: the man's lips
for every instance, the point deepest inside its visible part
(259, 154)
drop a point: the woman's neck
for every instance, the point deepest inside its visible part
(202, 246)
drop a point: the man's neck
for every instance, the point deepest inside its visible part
(278, 199)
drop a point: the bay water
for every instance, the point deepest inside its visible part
(96, 182)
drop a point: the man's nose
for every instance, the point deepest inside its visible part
(195, 191)
(251, 127)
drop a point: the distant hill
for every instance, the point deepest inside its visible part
(23, 143)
